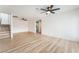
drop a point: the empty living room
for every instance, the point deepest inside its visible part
(39, 28)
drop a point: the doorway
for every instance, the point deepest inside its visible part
(38, 26)
(4, 25)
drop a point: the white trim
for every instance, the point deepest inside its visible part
(11, 27)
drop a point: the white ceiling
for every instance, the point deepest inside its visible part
(30, 11)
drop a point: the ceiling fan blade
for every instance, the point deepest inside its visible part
(51, 6)
(15, 16)
(56, 9)
(43, 9)
(53, 12)
(24, 19)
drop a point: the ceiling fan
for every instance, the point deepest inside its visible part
(21, 18)
(49, 9)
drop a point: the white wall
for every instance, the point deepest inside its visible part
(63, 25)
(19, 25)
(32, 26)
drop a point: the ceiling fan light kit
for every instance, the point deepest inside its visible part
(48, 12)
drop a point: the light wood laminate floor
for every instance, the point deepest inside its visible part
(36, 43)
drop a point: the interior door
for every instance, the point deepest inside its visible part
(38, 26)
